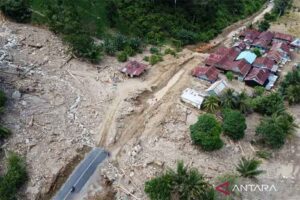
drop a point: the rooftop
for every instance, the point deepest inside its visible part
(248, 56)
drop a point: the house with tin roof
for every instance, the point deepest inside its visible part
(265, 63)
(249, 56)
(210, 74)
(217, 88)
(133, 68)
(281, 37)
(257, 76)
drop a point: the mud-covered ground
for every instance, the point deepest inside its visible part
(59, 108)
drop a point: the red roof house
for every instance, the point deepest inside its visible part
(264, 62)
(213, 59)
(257, 76)
(241, 67)
(266, 35)
(249, 35)
(210, 74)
(133, 68)
(240, 46)
(281, 46)
(283, 37)
(275, 55)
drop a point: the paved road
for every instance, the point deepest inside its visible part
(81, 174)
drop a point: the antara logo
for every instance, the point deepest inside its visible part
(224, 188)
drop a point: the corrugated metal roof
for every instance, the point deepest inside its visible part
(248, 56)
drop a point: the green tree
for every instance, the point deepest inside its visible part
(249, 167)
(269, 104)
(229, 99)
(211, 104)
(264, 26)
(274, 129)
(258, 91)
(182, 184)
(17, 10)
(206, 133)
(234, 124)
(229, 76)
(122, 56)
(257, 52)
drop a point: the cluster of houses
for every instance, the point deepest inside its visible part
(246, 66)
(243, 60)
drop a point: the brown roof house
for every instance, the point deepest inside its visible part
(249, 35)
(265, 63)
(257, 76)
(263, 40)
(210, 74)
(281, 37)
(133, 68)
(241, 68)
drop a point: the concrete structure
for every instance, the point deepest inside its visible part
(217, 88)
(192, 97)
(248, 56)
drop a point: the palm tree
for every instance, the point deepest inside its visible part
(211, 104)
(285, 121)
(249, 167)
(229, 99)
(244, 104)
(293, 94)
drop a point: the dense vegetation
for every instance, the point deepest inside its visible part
(273, 130)
(180, 22)
(206, 132)
(290, 87)
(234, 124)
(184, 184)
(14, 177)
(4, 132)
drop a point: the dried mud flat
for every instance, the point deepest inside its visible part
(67, 106)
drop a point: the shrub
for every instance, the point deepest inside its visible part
(129, 51)
(258, 91)
(269, 104)
(270, 17)
(154, 59)
(249, 167)
(120, 42)
(2, 98)
(109, 47)
(170, 51)
(234, 124)
(264, 154)
(135, 44)
(17, 10)
(4, 132)
(274, 130)
(229, 76)
(14, 177)
(184, 183)
(264, 25)
(289, 87)
(186, 36)
(154, 50)
(83, 46)
(257, 52)
(206, 133)
(146, 58)
(122, 56)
